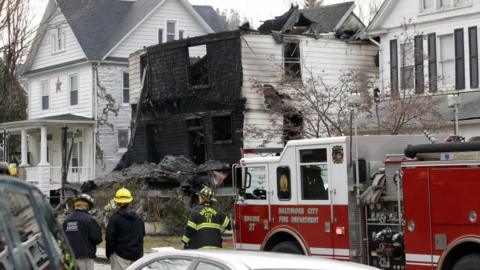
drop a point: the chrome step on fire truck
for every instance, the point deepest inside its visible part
(419, 212)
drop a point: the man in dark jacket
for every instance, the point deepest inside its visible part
(125, 232)
(206, 224)
(83, 232)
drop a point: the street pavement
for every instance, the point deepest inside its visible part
(101, 262)
(101, 266)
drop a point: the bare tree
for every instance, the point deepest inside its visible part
(410, 105)
(312, 108)
(230, 18)
(15, 36)
(366, 9)
(310, 4)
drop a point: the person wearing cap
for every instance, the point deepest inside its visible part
(125, 232)
(206, 223)
(83, 232)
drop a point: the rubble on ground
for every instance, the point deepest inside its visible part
(159, 188)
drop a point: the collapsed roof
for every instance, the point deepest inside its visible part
(338, 19)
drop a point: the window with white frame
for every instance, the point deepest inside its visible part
(73, 83)
(408, 63)
(126, 88)
(123, 138)
(58, 40)
(447, 60)
(45, 94)
(171, 30)
(429, 5)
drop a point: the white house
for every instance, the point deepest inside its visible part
(204, 110)
(432, 46)
(77, 78)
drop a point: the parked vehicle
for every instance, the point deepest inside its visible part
(397, 214)
(30, 237)
(173, 259)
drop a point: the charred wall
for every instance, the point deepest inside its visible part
(192, 106)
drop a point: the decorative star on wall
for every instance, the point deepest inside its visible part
(58, 85)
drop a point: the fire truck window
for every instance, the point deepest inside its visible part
(284, 191)
(314, 182)
(256, 183)
(313, 155)
(314, 174)
(28, 228)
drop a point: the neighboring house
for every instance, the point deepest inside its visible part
(199, 107)
(77, 77)
(431, 47)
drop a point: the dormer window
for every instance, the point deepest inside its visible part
(58, 41)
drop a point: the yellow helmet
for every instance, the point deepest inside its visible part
(123, 195)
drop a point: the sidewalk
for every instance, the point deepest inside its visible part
(101, 257)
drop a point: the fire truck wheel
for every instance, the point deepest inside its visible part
(468, 262)
(287, 247)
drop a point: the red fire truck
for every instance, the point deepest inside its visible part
(419, 212)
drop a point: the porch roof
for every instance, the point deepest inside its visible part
(52, 121)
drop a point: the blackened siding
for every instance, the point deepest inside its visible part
(170, 99)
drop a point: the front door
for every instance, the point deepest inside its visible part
(77, 170)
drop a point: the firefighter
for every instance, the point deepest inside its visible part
(206, 223)
(83, 232)
(125, 232)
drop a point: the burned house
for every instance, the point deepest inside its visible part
(196, 96)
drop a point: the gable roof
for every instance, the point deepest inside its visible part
(323, 19)
(211, 17)
(381, 13)
(100, 25)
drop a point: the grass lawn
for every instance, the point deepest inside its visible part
(158, 241)
(169, 241)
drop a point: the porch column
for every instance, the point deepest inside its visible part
(24, 149)
(43, 166)
(43, 146)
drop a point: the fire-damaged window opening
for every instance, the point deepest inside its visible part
(222, 129)
(198, 66)
(292, 126)
(292, 62)
(196, 139)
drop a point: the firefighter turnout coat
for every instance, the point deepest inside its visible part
(204, 227)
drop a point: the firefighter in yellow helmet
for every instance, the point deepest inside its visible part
(125, 232)
(206, 223)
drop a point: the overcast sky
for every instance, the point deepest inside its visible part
(255, 11)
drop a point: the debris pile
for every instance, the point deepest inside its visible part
(161, 189)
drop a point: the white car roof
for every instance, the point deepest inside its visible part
(254, 260)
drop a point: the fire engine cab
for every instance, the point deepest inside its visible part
(362, 199)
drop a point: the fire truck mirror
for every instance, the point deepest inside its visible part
(248, 180)
(237, 177)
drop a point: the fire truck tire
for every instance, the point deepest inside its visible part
(468, 262)
(288, 247)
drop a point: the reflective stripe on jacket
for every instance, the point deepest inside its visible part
(204, 227)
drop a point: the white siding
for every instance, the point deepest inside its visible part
(111, 77)
(440, 27)
(73, 51)
(147, 33)
(262, 60)
(135, 79)
(403, 11)
(59, 101)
